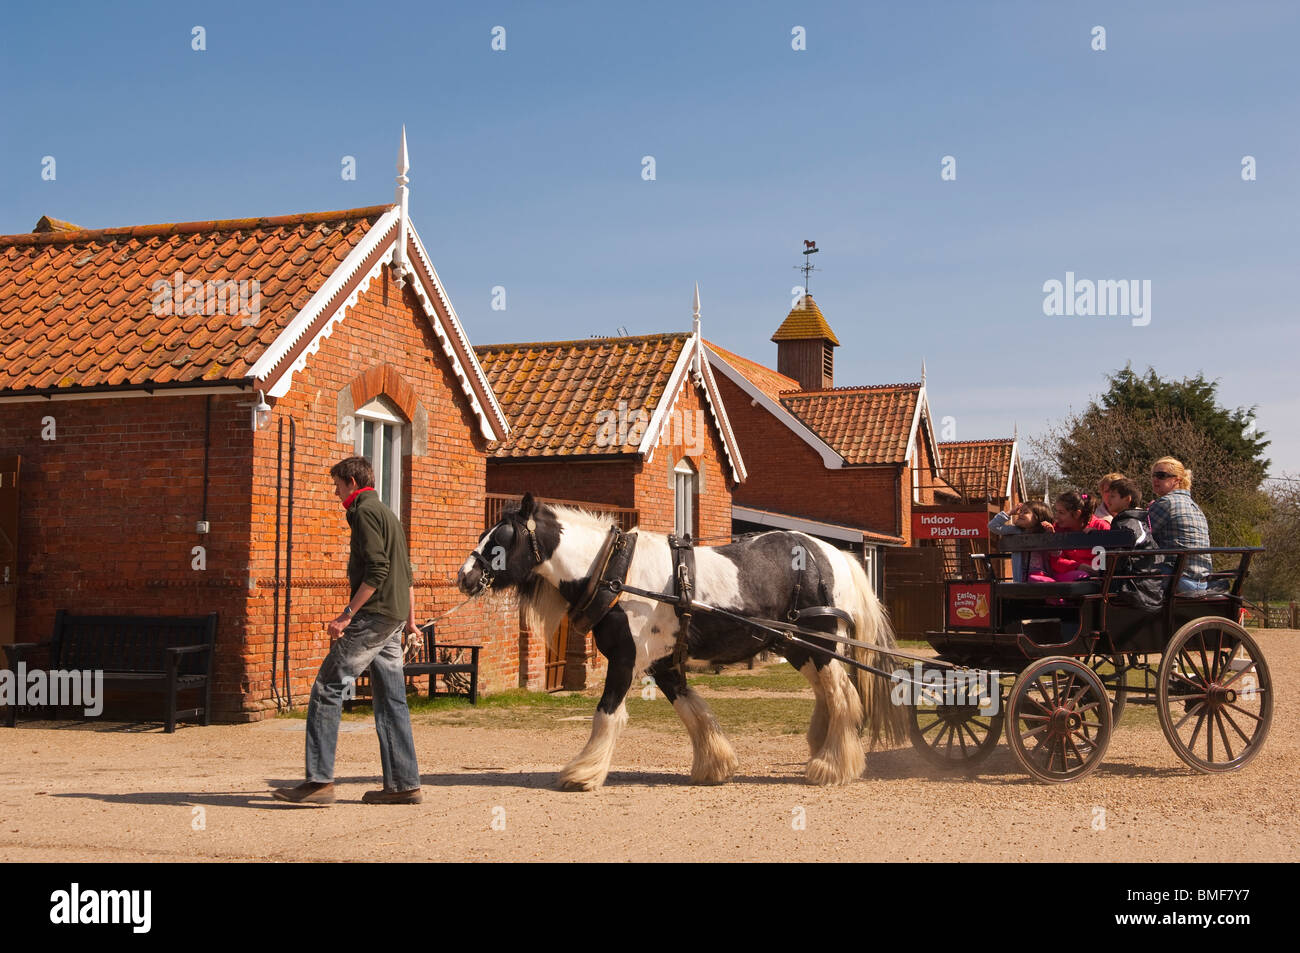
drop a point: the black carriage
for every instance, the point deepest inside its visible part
(1055, 664)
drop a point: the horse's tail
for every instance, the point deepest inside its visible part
(884, 719)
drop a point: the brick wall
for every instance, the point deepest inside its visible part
(787, 476)
(108, 507)
(383, 347)
(691, 435)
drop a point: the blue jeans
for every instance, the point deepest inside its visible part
(369, 641)
(1185, 583)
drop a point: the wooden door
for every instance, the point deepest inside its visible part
(8, 547)
(914, 590)
(557, 661)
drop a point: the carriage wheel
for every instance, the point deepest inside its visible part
(1214, 695)
(1059, 719)
(1116, 682)
(953, 736)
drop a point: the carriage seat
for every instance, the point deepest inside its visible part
(1047, 590)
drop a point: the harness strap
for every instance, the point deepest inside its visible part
(610, 566)
(683, 550)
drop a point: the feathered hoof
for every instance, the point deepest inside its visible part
(575, 779)
(825, 773)
(718, 769)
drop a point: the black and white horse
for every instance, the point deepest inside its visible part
(549, 564)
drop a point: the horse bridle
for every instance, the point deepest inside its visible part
(485, 567)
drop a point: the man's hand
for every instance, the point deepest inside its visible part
(337, 626)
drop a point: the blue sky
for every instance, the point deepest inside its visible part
(527, 169)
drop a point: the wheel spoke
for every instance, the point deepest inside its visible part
(1248, 714)
(937, 721)
(1190, 712)
(1191, 744)
(1077, 753)
(1223, 735)
(1227, 717)
(1240, 672)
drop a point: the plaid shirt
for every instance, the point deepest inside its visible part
(1178, 523)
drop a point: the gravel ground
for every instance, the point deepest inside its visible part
(117, 793)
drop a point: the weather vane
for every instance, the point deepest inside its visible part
(809, 248)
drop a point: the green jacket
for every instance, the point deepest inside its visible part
(379, 558)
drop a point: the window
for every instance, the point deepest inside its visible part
(684, 492)
(378, 434)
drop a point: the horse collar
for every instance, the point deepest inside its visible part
(604, 580)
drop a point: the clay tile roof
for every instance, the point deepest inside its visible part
(88, 308)
(805, 321)
(861, 424)
(977, 467)
(770, 382)
(554, 392)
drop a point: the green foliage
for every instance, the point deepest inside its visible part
(1142, 418)
(1276, 572)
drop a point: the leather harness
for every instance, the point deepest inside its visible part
(611, 564)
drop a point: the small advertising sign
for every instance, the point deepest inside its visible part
(968, 605)
(957, 525)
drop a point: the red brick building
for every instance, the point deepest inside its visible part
(134, 364)
(844, 463)
(634, 427)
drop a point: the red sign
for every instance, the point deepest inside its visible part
(968, 605)
(933, 525)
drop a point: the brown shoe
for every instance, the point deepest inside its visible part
(309, 792)
(413, 796)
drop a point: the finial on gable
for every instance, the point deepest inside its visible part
(695, 327)
(922, 372)
(400, 265)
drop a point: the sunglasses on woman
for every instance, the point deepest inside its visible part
(1162, 475)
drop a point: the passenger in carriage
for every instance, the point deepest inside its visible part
(1031, 517)
(1103, 510)
(1124, 499)
(1074, 515)
(1178, 523)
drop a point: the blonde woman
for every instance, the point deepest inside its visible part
(1177, 522)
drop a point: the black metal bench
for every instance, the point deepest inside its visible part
(460, 677)
(167, 654)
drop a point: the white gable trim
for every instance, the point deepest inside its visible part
(720, 418)
(676, 380)
(498, 428)
(383, 235)
(324, 298)
(830, 459)
(1011, 476)
(923, 407)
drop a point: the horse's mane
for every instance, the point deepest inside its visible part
(579, 514)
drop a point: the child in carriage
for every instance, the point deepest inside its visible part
(1124, 500)
(1074, 514)
(1031, 517)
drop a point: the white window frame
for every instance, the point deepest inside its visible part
(381, 414)
(684, 503)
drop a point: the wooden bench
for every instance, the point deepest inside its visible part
(167, 654)
(433, 659)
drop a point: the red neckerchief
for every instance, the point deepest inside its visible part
(354, 495)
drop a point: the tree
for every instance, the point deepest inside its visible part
(1193, 400)
(1275, 574)
(1140, 419)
